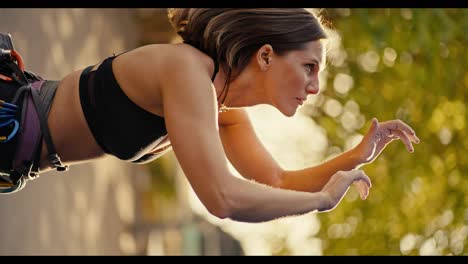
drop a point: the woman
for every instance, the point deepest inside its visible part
(190, 97)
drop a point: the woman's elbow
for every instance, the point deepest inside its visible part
(225, 203)
(219, 207)
(219, 212)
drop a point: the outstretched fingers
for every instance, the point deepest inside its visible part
(399, 125)
(360, 175)
(362, 182)
(363, 189)
(338, 185)
(405, 139)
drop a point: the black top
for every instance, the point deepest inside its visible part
(120, 127)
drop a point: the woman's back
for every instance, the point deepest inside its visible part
(138, 74)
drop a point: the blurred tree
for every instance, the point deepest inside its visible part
(154, 26)
(408, 64)
(160, 201)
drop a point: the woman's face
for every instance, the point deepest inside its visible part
(293, 76)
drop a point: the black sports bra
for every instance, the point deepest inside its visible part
(120, 127)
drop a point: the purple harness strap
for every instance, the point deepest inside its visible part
(30, 134)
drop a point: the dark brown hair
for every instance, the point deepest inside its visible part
(232, 36)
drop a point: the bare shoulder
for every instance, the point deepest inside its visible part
(145, 72)
(163, 58)
(162, 61)
(183, 60)
(185, 68)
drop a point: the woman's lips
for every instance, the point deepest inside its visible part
(300, 101)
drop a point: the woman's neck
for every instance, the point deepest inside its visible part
(243, 91)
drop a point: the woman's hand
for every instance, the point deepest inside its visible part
(380, 135)
(338, 185)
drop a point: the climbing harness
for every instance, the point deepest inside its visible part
(24, 105)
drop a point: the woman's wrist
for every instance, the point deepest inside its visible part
(356, 157)
(325, 203)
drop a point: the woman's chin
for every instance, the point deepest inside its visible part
(289, 112)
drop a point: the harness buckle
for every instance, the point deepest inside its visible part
(55, 160)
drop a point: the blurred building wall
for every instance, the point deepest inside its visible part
(99, 208)
(85, 211)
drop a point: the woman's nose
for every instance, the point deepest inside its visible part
(313, 88)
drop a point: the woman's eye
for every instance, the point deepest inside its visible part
(310, 67)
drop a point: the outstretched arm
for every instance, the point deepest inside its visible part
(191, 120)
(253, 161)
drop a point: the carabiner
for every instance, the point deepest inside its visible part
(7, 187)
(4, 139)
(5, 116)
(4, 110)
(4, 104)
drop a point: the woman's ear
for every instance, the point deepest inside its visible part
(264, 56)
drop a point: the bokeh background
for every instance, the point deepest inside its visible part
(407, 64)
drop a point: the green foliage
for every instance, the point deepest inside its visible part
(162, 173)
(408, 64)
